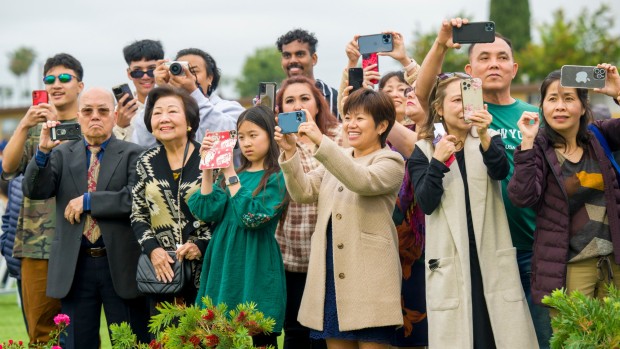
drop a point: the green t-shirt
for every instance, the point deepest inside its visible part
(522, 221)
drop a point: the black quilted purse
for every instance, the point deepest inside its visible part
(147, 279)
(146, 276)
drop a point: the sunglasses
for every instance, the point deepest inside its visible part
(444, 76)
(88, 111)
(64, 78)
(138, 74)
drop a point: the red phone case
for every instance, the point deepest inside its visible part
(370, 59)
(39, 96)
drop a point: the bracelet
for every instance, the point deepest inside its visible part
(411, 65)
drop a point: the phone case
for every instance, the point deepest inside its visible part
(370, 59)
(289, 122)
(474, 33)
(39, 96)
(471, 92)
(66, 131)
(375, 43)
(580, 76)
(120, 90)
(356, 78)
(267, 94)
(221, 155)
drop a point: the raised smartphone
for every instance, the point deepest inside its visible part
(267, 94)
(370, 59)
(289, 122)
(121, 90)
(375, 43)
(66, 131)
(474, 33)
(356, 78)
(582, 76)
(39, 96)
(471, 92)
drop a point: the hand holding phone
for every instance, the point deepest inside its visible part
(368, 60)
(375, 43)
(39, 96)
(356, 78)
(580, 76)
(267, 95)
(120, 90)
(471, 92)
(474, 33)
(289, 122)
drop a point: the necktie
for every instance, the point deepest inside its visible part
(91, 229)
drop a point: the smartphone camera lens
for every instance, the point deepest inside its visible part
(176, 68)
(489, 27)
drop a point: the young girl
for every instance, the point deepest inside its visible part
(243, 261)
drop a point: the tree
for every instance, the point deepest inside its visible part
(263, 65)
(20, 62)
(512, 19)
(585, 40)
(455, 59)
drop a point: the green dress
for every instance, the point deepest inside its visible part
(243, 262)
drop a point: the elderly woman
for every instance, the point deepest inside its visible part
(168, 174)
(352, 294)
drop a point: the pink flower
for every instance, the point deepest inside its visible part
(62, 319)
(56, 347)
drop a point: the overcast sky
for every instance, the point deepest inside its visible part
(96, 31)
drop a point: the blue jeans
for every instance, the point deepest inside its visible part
(540, 314)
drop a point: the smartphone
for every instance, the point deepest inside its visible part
(39, 96)
(375, 43)
(471, 93)
(289, 122)
(370, 59)
(580, 76)
(356, 78)
(474, 33)
(121, 90)
(267, 94)
(66, 131)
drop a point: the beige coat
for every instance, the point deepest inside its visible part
(359, 195)
(448, 288)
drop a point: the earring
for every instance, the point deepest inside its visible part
(189, 128)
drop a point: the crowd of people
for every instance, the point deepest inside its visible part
(364, 229)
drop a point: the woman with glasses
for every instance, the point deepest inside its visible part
(473, 289)
(562, 171)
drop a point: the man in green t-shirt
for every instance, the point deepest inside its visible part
(36, 223)
(493, 63)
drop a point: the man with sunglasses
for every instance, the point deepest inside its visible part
(200, 80)
(36, 224)
(141, 57)
(94, 256)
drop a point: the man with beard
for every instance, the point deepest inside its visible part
(298, 48)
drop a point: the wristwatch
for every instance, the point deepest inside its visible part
(232, 180)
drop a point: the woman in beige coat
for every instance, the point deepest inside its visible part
(352, 294)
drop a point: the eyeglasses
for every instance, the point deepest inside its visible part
(407, 91)
(138, 74)
(88, 111)
(64, 78)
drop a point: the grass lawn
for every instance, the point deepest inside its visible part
(12, 323)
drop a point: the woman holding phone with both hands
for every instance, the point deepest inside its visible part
(352, 294)
(561, 169)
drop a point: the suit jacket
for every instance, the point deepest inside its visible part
(358, 195)
(65, 176)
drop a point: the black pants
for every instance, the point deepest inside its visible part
(92, 287)
(297, 336)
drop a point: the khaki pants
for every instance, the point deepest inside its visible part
(40, 309)
(591, 277)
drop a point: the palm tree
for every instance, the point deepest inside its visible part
(20, 62)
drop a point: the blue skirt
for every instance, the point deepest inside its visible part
(331, 328)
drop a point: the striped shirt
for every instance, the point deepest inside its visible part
(331, 95)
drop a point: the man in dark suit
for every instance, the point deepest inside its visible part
(94, 254)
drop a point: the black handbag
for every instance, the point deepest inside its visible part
(147, 279)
